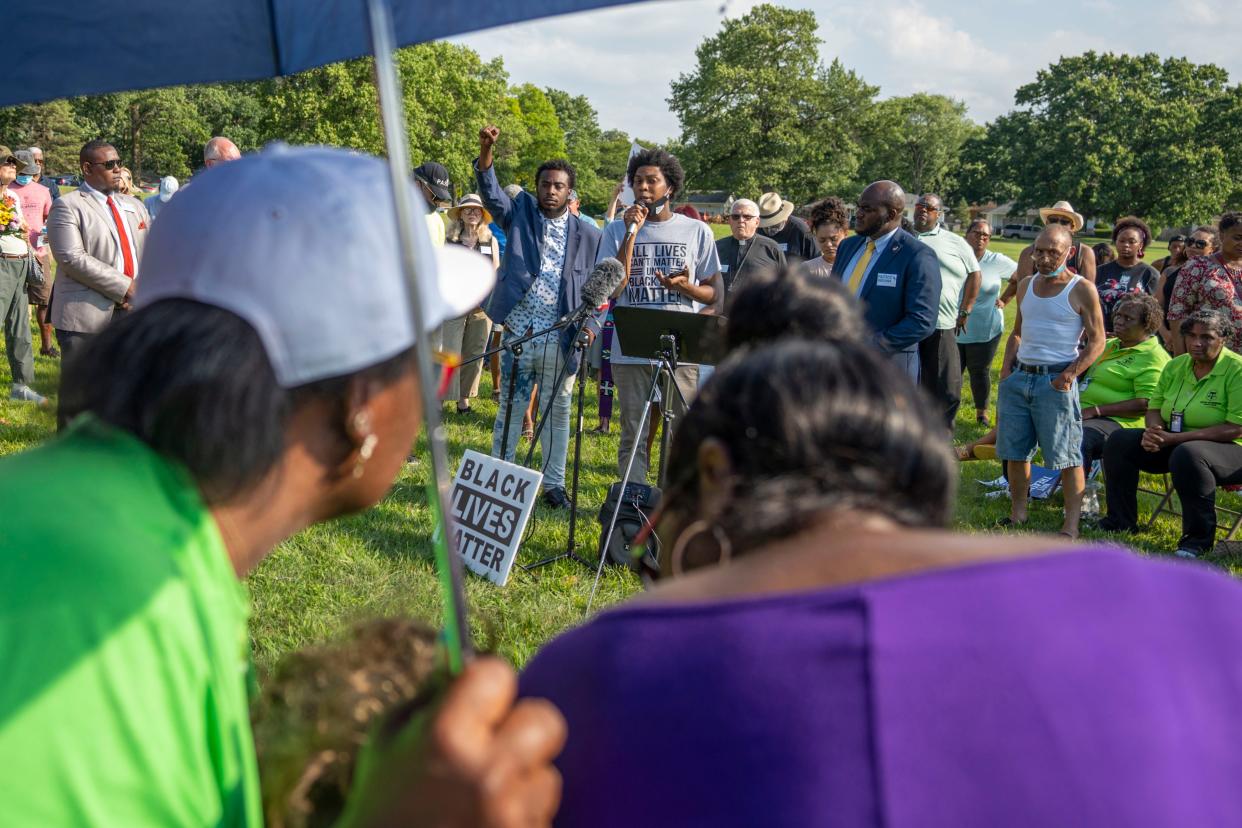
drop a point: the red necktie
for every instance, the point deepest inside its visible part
(120, 229)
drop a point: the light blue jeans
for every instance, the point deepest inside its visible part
(540, 363)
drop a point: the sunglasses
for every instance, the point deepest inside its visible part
(929, 207)
(1059, 220)
(110, 164)
(1200, 244)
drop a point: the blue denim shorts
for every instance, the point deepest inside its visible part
(1030, 413)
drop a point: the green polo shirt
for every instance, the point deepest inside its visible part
(957, 261)
(1122, 374)
(123, 646)
(1215, 399)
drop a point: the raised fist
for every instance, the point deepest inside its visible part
(488, 136)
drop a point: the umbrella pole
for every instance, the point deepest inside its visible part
(392, 116)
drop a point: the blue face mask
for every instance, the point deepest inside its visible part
(25, 179)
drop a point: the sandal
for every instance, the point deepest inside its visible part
(1009, 523)
(50, 351)
(463, 409)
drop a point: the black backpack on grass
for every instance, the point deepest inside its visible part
(638, 503)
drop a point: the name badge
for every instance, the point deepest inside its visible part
(1175, 422)
(485, 248)
(724, 268)
(784, 247)
(886, 280)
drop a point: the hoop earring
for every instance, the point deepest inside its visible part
(697, 528)
(364, 454)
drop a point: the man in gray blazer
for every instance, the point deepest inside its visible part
(96, 235)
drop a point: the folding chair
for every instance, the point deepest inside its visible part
(1230, 527)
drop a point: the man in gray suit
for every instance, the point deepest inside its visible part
(96, 235)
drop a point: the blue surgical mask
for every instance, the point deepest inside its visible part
(25, 179)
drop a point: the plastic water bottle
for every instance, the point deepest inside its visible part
(1091, 500)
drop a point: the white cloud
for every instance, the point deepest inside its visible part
(623, 59)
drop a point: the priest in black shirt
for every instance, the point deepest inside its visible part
(746, 252)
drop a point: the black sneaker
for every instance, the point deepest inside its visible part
(555, 498)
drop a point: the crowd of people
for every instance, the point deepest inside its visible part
(807, 490)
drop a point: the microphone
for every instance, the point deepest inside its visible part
(654, 207)
(599, 286)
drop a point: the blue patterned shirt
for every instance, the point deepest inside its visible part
(537, 310)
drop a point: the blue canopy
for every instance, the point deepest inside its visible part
(90, 47)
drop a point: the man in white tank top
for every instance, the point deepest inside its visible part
(1037, 403)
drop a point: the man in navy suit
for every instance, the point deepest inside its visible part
(895, 275)
(548, 257)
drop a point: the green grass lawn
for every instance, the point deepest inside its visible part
(379, 562)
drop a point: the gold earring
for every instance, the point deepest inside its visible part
(364, 453)
(697, 528)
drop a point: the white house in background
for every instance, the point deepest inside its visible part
(716, 202)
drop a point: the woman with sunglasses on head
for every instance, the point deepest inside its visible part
(1177, 244)
(1128, 273)
(467, 335)
(1214, 281)
(824, 652)
(1204, 241)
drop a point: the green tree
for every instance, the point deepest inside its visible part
(917, 141)
(1119, 134)
(544, 138)
(152, 130)
(52, 127)
(583, 138)
(761, 107)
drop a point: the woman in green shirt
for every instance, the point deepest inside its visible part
(1116, 388)
(1193, 429)
(235, 406)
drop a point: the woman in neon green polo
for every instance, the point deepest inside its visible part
(1115, 390)
(1193, 431)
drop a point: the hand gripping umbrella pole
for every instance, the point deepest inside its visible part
(392, 116)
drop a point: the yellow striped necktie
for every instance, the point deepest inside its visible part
(861, 268)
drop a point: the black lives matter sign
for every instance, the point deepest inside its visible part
(491, 502)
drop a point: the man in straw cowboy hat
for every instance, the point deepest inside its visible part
(791, 234)
(1081, 257)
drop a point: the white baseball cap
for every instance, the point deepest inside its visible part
(168, 186)
(301, 242)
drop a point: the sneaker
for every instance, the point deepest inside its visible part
(1186, 553)
(25, 393)
(556, 498)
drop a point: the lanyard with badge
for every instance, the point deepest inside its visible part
(1177, 417)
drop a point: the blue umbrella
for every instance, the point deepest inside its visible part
(89, 47)
(208, 41)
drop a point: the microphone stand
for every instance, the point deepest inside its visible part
(571, 546)
(515, 347)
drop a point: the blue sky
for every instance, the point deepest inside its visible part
(976, 52)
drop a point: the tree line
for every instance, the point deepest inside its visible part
(760, 110)
(1113, 134)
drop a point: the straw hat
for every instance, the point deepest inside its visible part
(470, 200)
(1063, 208)
(774, 210)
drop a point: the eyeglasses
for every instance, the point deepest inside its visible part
(1200, 244)
(110, 164)
(742, 217)
(1059, 220)
(929, 207)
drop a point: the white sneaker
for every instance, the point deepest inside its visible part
(1186, 553)
(24, 393)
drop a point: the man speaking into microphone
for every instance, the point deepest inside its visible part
(671, 264)
(548, 258)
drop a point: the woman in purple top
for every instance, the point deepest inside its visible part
(823, 652)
